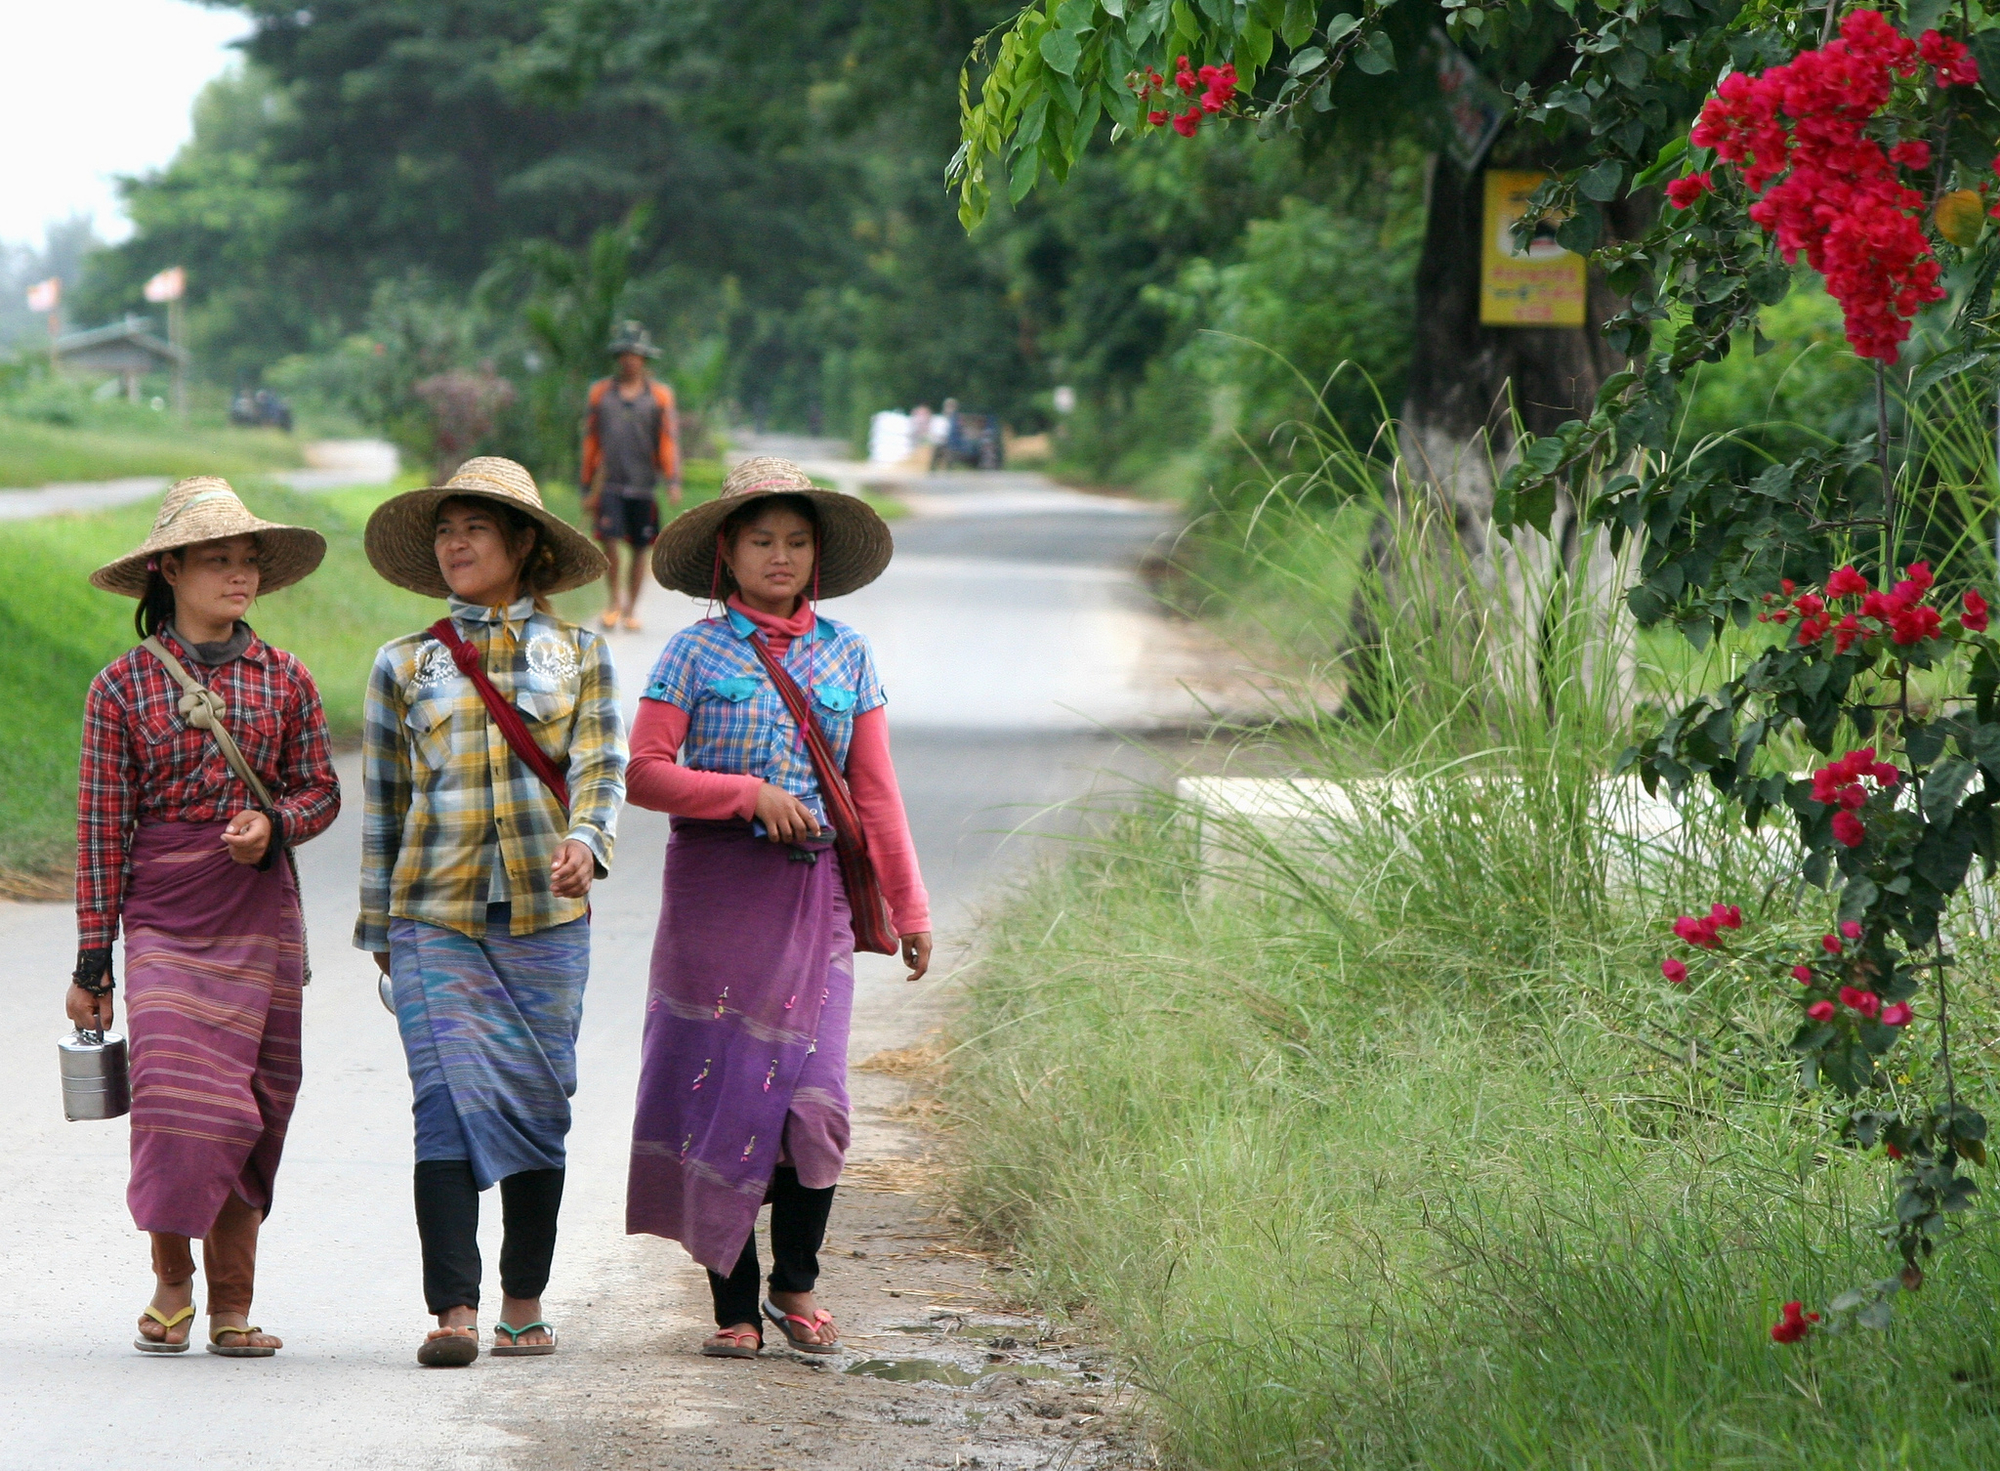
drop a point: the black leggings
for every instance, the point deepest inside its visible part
(448, 1226)
(798, 1226)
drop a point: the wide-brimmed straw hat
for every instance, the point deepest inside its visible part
(854, 542)
(205, 508)
(402, 534)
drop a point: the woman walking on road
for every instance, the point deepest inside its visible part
(494, 761)
(214, 942)
(763, 733)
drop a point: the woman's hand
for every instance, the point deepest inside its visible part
(917, 954)
(786, 819)
(88, 1013)
(247, 836)
(574, 868)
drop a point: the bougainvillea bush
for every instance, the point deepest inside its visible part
(1869, 717)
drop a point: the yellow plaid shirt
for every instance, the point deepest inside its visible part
(443, 788)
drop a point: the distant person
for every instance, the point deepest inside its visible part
(173, 841)
(920, 431)
(493, 754)
(743, 1078)
(943, 430)
(631, 442)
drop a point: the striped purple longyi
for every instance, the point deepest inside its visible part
(214, 962)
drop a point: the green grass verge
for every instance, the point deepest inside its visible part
(56, 632)
(1380, 1142)
(34, 454)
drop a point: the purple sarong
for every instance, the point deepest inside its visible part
(745, 1050)
(214, 959)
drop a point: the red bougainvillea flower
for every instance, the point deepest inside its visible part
(1914, 154)
(1697, 932)
(1914, 625)
(1820, 1011)
(1157, 119)
(1974, 618)
(1865, 1002)
(1846, 632)
(1787, 586)
(1845, 582)
(1219, 83)
(1184, 76)
(1954, 67)
(1920, 576)
(1830, 944)
(1674, 970)
(1892, 1151)
(1187, 122)
(1803, 974)
(1684, 191)
(1794, 1325)
(1837, 781)
(1898, 1015)
(1727, 916)
(1850, 929)
(1826, 188)
(1848, 830)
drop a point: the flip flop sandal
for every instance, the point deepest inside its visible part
(608, 622)
(518, 1349)
(449, 1350)
(241, 1351)
(821, 1318)
(147, 1345)
(734, 1349)
(633, 625)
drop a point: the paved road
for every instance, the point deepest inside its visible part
(331, 464)
(1003, 643)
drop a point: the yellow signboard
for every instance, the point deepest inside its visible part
(1542, 286)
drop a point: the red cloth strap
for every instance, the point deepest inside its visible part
(874, 929)
(512, 726)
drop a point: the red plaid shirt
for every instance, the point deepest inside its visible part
(142, 761)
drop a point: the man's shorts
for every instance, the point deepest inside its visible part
(622, 518)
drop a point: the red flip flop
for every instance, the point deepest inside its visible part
(821, 1318)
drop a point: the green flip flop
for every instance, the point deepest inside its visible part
(518, 1349)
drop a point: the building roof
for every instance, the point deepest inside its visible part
(121, 345)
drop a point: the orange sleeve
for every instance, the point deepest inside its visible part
(593, 452)
(670, 450)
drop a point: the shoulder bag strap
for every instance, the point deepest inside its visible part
(867, 907)
(512, 727)
(204, 710)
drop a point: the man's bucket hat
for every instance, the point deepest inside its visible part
(629, 336)
(854, 542)
(205, 508)
(402, 534)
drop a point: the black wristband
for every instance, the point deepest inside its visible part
(277, 844)
(93, 971)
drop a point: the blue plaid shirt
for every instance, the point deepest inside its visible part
(737, 721)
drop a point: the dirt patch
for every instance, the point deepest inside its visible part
(37, 886)
(936, 1370)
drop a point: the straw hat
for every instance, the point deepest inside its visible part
(402, 534)
(205, 508)
(854, 543)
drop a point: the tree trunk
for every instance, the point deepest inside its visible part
(1470, 387)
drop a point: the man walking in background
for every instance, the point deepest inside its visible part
(631, 442)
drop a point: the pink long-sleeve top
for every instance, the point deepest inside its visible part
(656, 779)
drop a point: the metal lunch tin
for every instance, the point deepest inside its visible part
(96, 1075)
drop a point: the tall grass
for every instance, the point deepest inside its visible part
(1372, 1134)
(34, 454)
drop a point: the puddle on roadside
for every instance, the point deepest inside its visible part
(1029, 1371)
(918, 1371)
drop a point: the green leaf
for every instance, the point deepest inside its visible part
(1668, 160)
(1027, 166)
(1377, 54)
(1300, 18)
(1307, 59)
(1338, 26)
(1602, 182)
(1061, 50)
(1943, 786)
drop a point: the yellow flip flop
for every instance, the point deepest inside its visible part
(146, 1345)
(240, 1351)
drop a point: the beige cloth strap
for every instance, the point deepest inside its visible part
(204, 709)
